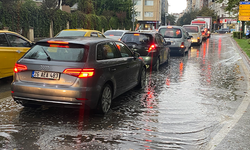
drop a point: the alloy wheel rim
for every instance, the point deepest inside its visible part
(106, 99)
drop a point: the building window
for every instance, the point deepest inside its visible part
(137, 2)
(149, 2)
(138, 14)
(148, 14)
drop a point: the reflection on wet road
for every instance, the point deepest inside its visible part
(183, 107)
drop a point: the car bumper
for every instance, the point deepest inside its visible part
(48, 95)
(149, 61)
(196, 41)
(177, 50)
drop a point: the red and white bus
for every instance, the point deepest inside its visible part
(203, 26)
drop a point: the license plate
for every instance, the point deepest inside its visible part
(45, 75)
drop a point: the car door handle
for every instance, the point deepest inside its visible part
(113, 69)
(127, 66)
(18, 51)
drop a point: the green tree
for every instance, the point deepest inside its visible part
(86, 6)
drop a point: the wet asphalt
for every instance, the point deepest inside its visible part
(197, 102)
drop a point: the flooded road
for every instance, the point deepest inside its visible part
(185, 106)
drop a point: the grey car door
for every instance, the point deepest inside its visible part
(113, 66)
(133, 65)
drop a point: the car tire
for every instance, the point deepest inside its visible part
(168, 59)
(105, 99)
(157, 65)
(142, 79)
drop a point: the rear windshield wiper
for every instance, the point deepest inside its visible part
(48, 56)
(167, 36)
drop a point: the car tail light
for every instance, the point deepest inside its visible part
(80, 73)
(19, 68)
(152, 48)
(182, 45)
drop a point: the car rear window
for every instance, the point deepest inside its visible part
(191, 29)
(71, 53)
(71, 33)
(171, 32)
(113, 33)
(137, 38)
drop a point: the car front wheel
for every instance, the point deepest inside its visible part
(105, 99)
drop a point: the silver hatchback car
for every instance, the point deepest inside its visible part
(77, 71)
(179, 38)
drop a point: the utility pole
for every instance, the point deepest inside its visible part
(133, 16)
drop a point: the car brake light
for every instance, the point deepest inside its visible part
(19, 68)
(60, 46)
(80, 73)
(182, 45)
(111, 35)
(169, 27)
(136, 34)
(152, 48)
(57, 42)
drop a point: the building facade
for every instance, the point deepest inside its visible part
(148, 13)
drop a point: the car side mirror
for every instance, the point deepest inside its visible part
(136, 55)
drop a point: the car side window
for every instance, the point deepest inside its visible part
(107, 51)
(125, 52)
(16, 41)
(162, 39)
(158, 40)
(94, 34)
(3, 41)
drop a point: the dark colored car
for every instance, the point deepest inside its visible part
(223, 30)
(151, 46)
(179, 38)
(77, 71)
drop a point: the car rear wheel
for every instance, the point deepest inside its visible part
(157, 65)
(105, 99)
(142, 80)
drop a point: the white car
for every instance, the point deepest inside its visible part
(115, 34)
(195, 31)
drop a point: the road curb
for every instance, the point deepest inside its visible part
(243, 54)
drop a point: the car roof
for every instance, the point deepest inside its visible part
(76, 40)
(190, 25)
(84, 30)
(170, 26)
(131, 32)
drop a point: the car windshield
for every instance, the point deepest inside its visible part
(191, 29)
(170, 32)
(57, 53)
(137, 38)
(113, 33)
(71, 33)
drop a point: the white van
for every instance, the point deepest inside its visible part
(195, 31)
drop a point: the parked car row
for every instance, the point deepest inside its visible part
(83, 68)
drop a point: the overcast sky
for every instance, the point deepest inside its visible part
(177, 6)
